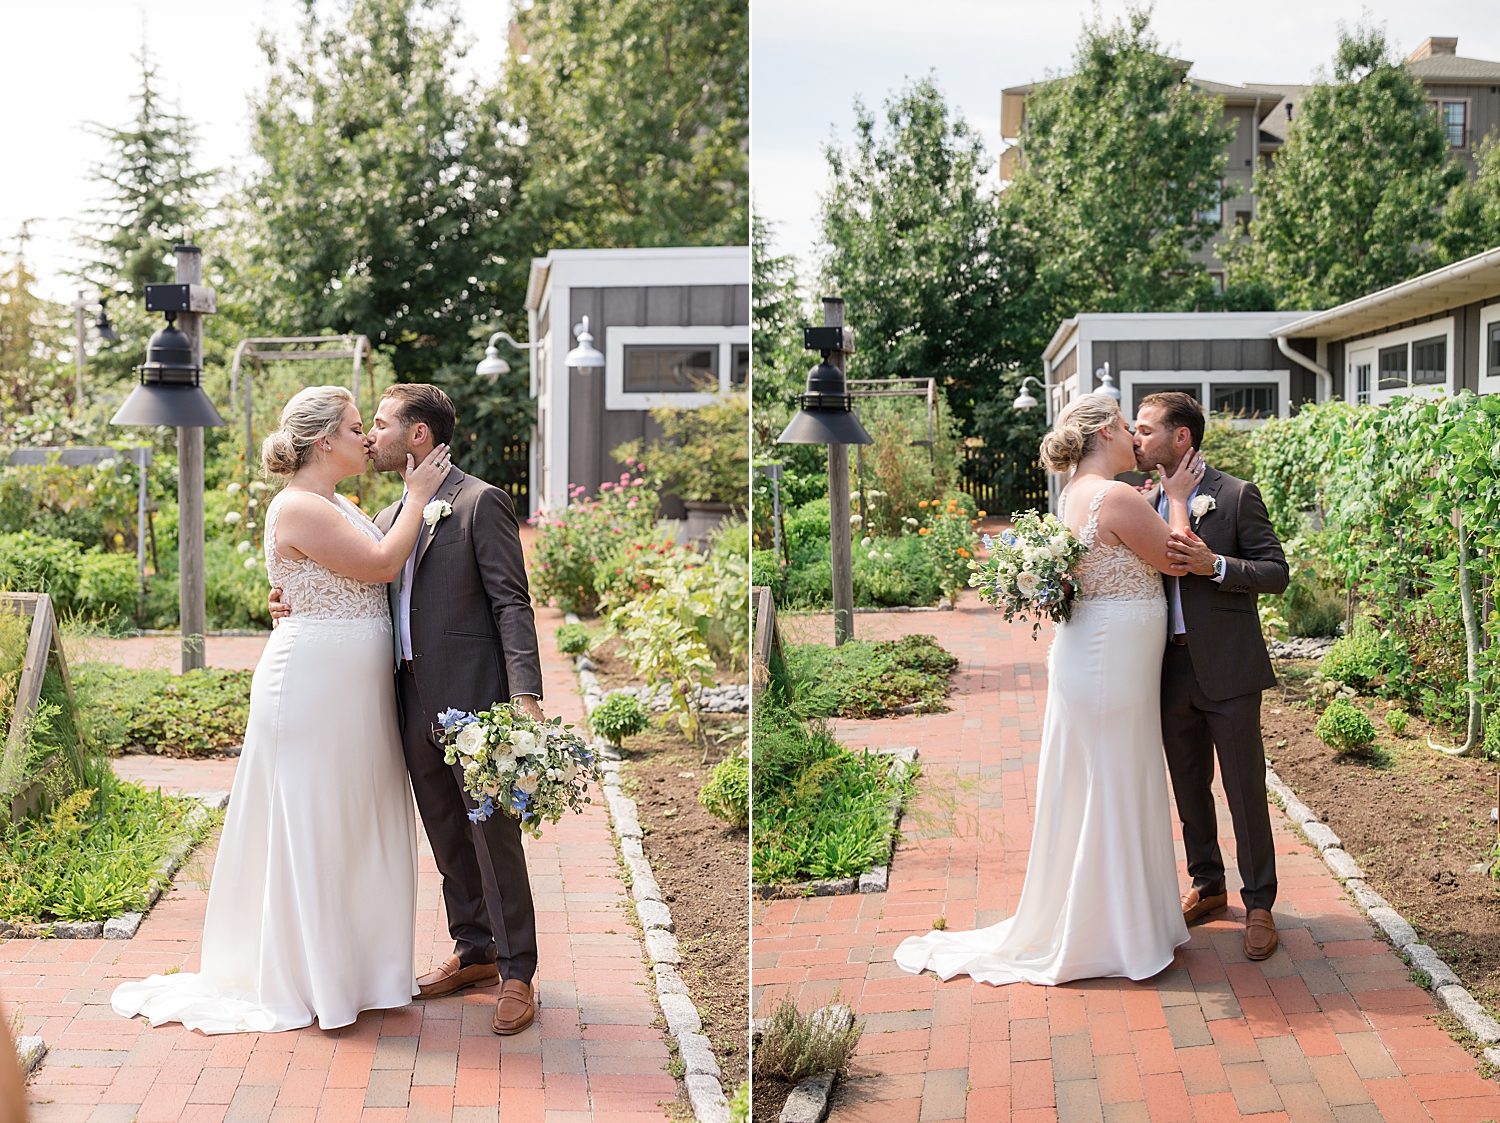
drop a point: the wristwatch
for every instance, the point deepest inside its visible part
(1220, 566)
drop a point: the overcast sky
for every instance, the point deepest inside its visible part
(810, 58)
(67, 62)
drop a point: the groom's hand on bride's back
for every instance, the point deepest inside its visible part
(279, 611)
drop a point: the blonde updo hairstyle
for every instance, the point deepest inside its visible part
(313, 413)
(1075, 433)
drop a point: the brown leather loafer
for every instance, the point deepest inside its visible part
(1195, 904)
(1260, 934)
(516, 1009)
(450, 977)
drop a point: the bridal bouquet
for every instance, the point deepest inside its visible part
(1027, 572)
(532, 770)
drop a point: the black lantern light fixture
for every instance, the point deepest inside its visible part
(826, 416)
(103, 329)
(171, 392)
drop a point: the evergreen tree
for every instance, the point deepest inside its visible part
(153, 199)
(36, 379)
(1120, 178)
(1355, 197)
(776, 318)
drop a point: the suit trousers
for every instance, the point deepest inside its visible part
(485, 888)
(1193, 726)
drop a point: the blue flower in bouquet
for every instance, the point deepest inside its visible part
(519, 801)
(485, 809)
(1008, 537)
(455, 719)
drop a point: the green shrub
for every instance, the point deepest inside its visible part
(821, 811)
(33, 563)
(572, 542)
(573, 639)
(108, 584)
(807, 533)
(702, 454)
(795, 1046)
(1395, 720)
(739, 1107)
(619, 716)
(1312, 610)
(1345, 727)
(92, 857)
(1357, 659)
(727, 794)
(867, 678)
(174, 715)
(902, 571)
(1230, 449)
(632, 567)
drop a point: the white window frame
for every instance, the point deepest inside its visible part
(1405, 337)
(1437, 103)
(1204, 380)
(616, 339)
(1488, 383)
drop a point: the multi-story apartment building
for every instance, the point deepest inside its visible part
(1465, 93)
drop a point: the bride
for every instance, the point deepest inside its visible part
(312, 908)
(1100, 896)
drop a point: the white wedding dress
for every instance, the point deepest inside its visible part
(312, 909)
(1100, 897)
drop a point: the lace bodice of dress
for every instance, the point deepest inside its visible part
(1112, 571)
(315, 591)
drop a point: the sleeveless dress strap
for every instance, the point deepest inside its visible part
(1091, 528)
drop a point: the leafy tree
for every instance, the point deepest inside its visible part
(1120, 178)
(1355, 196)
(378, 180)
(36, 382)
(777, 317)
(634, 118)
(1471, 220)
(936, 284)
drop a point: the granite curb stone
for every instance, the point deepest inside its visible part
(705, 1093)
(808, 1102)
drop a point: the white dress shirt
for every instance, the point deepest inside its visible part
(1164, 509)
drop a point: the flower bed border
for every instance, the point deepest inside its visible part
(702, 1074)
(876, 879)
(1446, 987)
(126, 925)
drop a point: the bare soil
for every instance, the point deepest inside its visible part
(768, 1096)
(702, 866)
(615, 670)
(1414, 819)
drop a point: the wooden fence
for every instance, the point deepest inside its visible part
(1001, 486)
(22, 795)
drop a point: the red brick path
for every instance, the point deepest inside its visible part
(1329, 1028)
(595, 1052)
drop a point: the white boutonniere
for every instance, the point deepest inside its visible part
(1202, 505)
(437, 509)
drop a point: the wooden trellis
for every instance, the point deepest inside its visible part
(24, 795)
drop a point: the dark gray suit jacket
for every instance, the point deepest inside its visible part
(473, 632)
(1223, 626)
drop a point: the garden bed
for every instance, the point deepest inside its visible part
(201, 713)
(870, 678)
(1415, 820)
(700, 864)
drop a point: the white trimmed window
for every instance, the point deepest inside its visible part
(673, 367)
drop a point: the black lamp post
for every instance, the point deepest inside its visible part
(827, 418)
(170, 393)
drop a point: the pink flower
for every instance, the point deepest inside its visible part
(605, 487)
(630, 460)
(632, 503)
(637, 482)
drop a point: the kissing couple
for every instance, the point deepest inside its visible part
(1163, 657)
(381, 625)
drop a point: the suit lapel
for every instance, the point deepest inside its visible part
(1213, 481)
(445, 493)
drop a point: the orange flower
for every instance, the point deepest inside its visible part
(962, 552)
(925, 530)
(921, 503)
(981, 514)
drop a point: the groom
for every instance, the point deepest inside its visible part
(465, 638)
(1215, 668)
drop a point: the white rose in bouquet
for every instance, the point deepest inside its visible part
(528, 782)
(1058, 545)
(469, 740)
(1028, 583)
(524, 741)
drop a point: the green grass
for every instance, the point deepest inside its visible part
(174, 715)
(868, 678)
(93, 856)
(821, 811)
